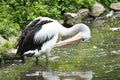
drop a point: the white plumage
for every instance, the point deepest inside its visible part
(41, 34)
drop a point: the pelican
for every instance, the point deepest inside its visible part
(40, 37)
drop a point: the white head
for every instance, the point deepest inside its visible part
(84, 31)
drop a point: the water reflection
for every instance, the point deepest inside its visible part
(42, 73)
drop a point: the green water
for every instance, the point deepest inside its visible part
(101, 54)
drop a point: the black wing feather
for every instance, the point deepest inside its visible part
(27, 30)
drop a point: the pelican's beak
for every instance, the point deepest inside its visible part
(71, 40)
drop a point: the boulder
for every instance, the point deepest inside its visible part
(97, 9)
(12, 51)
(2, 41)
(84, 13)
(115, 6)
(72, 18)
(12, 39)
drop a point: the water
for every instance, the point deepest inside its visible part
(97, 59)
(48, 74)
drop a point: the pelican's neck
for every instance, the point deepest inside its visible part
(84, 29)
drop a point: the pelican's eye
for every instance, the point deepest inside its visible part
(82, 39)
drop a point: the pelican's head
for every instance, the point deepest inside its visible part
(84, 32)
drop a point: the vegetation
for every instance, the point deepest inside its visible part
(107, 3)
(4, 50)
(15, 14)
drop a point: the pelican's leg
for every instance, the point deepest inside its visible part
(37, 60)
(23, 59)
(0, 62)
(47, 58)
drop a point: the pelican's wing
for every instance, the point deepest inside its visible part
(31, 26)
(26, 41)
(27, 30)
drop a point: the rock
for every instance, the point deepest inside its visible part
(70, 15)
(97, 9)
(110, 14)
(61, 21)
(115, 6)
(0, 76)
(97, 22)
(12, 39)
(115, 29)
(2, 40)
(12, 51)
(84, 13)
(72, 18)
(116, 15)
